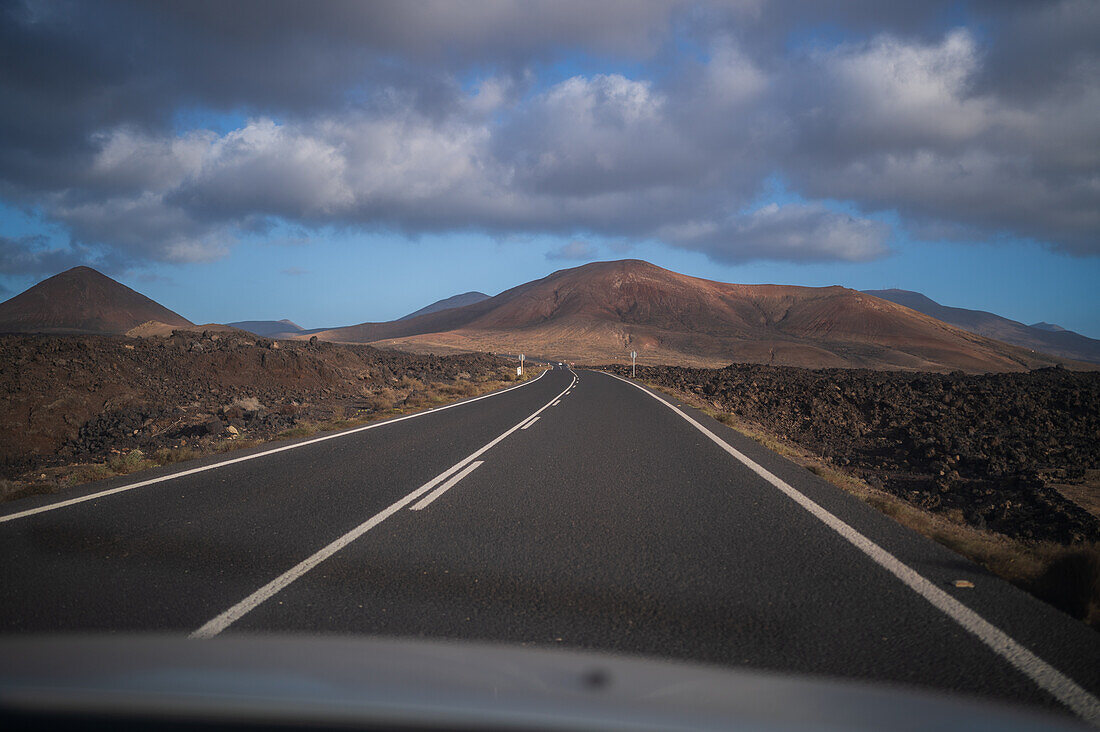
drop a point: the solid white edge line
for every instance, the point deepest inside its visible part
(253, 456)
(1045, 676)
(242, 608)
(530, 422)
(427, 500)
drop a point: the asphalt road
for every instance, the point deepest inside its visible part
(612, 522)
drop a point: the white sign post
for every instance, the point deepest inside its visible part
(633, 367)
(519, 371)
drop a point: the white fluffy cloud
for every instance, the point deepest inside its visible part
(895, 92)
(903, 126)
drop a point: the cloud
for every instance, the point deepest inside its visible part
(900, 126)
(901, 93)
(32, 255)
(598, 135)
(144, 226)
(294, 271)
(289, 241)
(438, 116)
(576, 250)
(796, 232)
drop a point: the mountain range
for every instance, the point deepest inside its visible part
(1044, 337)
(598, 313)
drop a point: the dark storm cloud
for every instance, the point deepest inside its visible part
(438, 116)
(32, 255)
(1043, 47)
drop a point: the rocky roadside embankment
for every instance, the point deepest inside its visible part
(120, 403)
(986, 447)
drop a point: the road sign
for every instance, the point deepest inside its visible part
(633, 367)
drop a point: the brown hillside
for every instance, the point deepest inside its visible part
(600, 312)
(81, 300)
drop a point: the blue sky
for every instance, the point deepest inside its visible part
(345, 164)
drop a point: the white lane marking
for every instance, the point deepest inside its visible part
(531, 422)
(426, 500)
(556, 403)
(1045, 676)
(242, 608)
(253, 456)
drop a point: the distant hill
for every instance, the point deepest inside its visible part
(267, 328)
(456, 301)
(599, 312)
(82, 300)
(1043, 337)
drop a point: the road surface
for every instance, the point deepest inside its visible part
(577, 510)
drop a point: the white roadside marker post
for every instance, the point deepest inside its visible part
(633, 367)
(519, 371)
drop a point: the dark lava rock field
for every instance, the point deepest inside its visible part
(984, 446)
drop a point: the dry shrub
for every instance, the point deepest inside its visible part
(409, 383)
(10, 490)
(377, 404)
(461, 389)
(89, 473)
(131, 462)
(169, 455)
(249, 404)
(383, 401)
